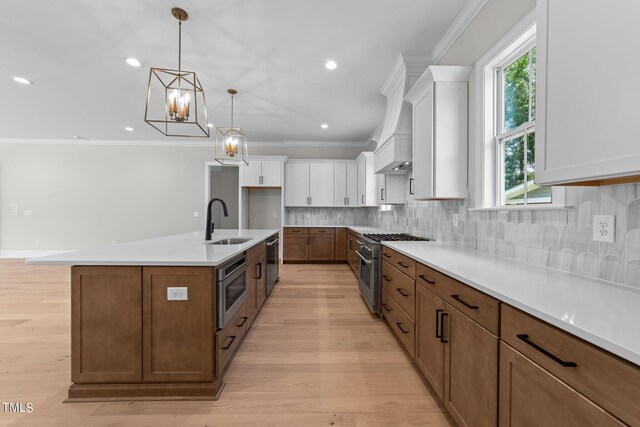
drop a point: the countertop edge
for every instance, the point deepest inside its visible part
(616, 349)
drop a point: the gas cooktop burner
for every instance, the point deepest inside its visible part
(398, 237)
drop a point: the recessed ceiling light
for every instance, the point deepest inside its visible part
(324, 126)
(209, 125)
(331, 65)
(133, 62)
(129, 129)
(22, 80)
(407, 163)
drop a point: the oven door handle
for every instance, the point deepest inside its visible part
(366, 261)
(273, 242)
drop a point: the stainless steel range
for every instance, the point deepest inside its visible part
(370, 266)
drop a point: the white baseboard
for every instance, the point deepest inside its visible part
(29, 254)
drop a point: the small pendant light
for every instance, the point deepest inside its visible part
(231, 142)
(175, 99)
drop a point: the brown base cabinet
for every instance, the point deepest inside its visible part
(492, 364)
(352, 246)
(165, 323)
(470, 370)
(530, 397)
(314, 244)
(256, 277)
(429, 353)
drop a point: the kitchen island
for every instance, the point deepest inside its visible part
(147, 320)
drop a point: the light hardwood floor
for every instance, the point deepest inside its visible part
(315, 356)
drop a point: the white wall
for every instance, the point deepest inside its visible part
(83, 195)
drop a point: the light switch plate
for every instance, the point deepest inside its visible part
(178, 294)
(604, 227)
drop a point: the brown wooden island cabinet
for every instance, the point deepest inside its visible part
(129, 341)
(492, 364)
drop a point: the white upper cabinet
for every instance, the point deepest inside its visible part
(440, 105)
(262, 173)
(367, 184)
(587, 110)
(296, 189)
(309, 184)
(391, 189)
(321, 184)
(346, 184)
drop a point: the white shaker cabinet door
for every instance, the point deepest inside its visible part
(352, 185)
(340, 185)
(271, 173)
(251, 173)
(587, 110)
(296, 191)
(321, 184)
(423, 147)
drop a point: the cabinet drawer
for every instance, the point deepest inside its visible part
(256, 251)
(480, 307)
(228, 339)
(401, 262)
(610, 382)
(322, 231)
(401, 324)
(399, 287)
(296, 230)
(432, 280)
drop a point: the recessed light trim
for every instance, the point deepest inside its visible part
(129, 129)
(133, 62)
(324, 126)
(331, 65)
(22, 80)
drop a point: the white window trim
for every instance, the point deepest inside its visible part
(522, 35)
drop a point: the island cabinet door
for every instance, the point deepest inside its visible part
(470, 370)
(106, 324)
(261, 281)
(178, 326)
(252, 289)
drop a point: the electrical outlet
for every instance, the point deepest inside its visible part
(196, 214)
(177, 294)
(604, 227)
(275, 214)
(455, 220)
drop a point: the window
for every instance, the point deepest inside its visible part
(516, 133)
(506, 105)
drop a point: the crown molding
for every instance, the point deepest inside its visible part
(461, 22)
(180, 143)
(407, 63)
(112, 142)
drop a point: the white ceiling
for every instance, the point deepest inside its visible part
(272, 51)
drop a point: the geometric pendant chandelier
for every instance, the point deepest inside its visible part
(175, 99)
(231, 142)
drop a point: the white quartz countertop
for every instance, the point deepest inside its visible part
(187, 249)
(602, 313)
(360, 229)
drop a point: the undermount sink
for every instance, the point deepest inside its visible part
(229, 241)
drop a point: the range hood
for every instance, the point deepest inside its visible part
(393, 153)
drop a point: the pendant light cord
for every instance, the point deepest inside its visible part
(179, 46)
(231, 110)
